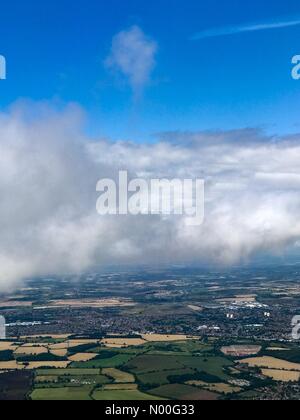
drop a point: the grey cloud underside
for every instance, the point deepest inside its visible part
(48, 176)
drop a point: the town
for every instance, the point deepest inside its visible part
(234, 330)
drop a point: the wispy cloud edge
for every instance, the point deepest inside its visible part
(233, 30)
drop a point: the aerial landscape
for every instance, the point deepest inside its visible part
(149, 203)
(154, 334)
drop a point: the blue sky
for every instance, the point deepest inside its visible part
(55, 50)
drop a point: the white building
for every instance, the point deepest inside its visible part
(2, 328)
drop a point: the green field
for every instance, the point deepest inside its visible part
(64, 393)
(157, 368)
(147, 364)
(183, 392)
(161, 377)
(164, 367)
(161, 370)
(113, 362)
(190, 347)
(154, 363)
(123, 395)
(212, 365)
(134, 351)
(291, 355)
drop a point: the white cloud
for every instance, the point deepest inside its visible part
(254, 27)
(133, 55)
(48, 176)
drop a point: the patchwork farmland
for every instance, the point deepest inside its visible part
(139, 368)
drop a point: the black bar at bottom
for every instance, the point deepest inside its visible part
(136, 409)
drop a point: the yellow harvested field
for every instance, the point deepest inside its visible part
(247, 297)
(281, 375)
(31, 350)
(60, 352)
(59, 346)
(35, 345)
(196, 383)
(37, 365)
(14, 304)
(166, 338)
(7, 346)
(119, 376)
(122, 342)
(111, 346)
(277, 349)
(82, 357)
(54, 337)
(239, 299)
(195, 308)
(75, 343)
(219, 388)
(270, 363)
(13, 365)
(120, 387)
(88, 303)
(224, 388)
(234, 371)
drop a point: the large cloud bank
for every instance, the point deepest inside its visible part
(48, 175)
